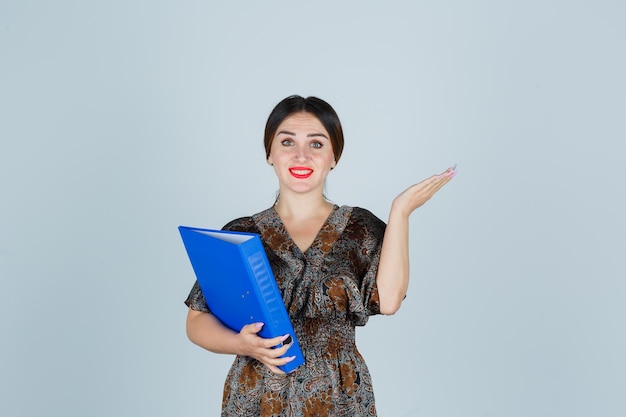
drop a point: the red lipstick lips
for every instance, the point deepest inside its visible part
(301, 172)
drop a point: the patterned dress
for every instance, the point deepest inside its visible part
(328, 290)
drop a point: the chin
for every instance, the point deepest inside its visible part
(304, 189)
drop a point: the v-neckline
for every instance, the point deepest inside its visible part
(315, 240)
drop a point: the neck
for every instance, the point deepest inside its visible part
(302, 206)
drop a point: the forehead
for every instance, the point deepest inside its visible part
(302, 123)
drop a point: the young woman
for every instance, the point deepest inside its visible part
(335, 266)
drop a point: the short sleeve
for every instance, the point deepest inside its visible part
(370, 245)
(195, 300)
(358, 255)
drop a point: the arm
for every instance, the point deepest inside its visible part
(392, 277)
(206, 331)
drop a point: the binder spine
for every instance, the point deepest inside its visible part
(265, 286)
(267, 290)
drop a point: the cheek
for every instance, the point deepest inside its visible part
(276, 150)
(278, 155)
(330, 160)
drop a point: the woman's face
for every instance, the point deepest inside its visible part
(302, 154)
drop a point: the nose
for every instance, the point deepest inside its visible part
(301, 153)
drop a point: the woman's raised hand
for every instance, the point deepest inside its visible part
(416, 195)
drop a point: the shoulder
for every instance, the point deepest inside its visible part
(249, 224)
(242, 224)
(364, 219)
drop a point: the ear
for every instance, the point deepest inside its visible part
(270, 161)
(333, 165)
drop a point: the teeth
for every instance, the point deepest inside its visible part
(301, 171)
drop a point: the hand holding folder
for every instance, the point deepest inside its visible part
(238, 284)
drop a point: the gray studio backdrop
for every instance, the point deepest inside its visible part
(120, 120)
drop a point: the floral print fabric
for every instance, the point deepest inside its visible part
(328, 290)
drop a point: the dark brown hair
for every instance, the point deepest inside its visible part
(317, 107)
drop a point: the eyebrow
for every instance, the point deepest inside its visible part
(310, 135)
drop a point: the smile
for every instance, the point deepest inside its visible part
(301, 172)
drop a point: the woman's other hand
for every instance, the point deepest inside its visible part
(261, 349)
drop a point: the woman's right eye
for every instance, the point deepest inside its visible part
(286, 142)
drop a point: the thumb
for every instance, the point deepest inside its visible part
(252, 328)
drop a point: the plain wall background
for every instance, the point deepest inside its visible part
(121, 120)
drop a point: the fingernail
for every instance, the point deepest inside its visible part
(451, 174)
(259, 325)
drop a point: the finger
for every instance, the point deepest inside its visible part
(435, 183)
(277, 351)
(443, 180)
(274, 369)
(274, 362)
(252, 328)
(448, 173)
(444, 177)
(282, 350)
(280, 341)
(428, 182)
(274, 343)
(278, 361)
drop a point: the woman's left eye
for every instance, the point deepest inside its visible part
(316, 145)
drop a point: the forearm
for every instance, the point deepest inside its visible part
(206, 331)
(392, 278)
